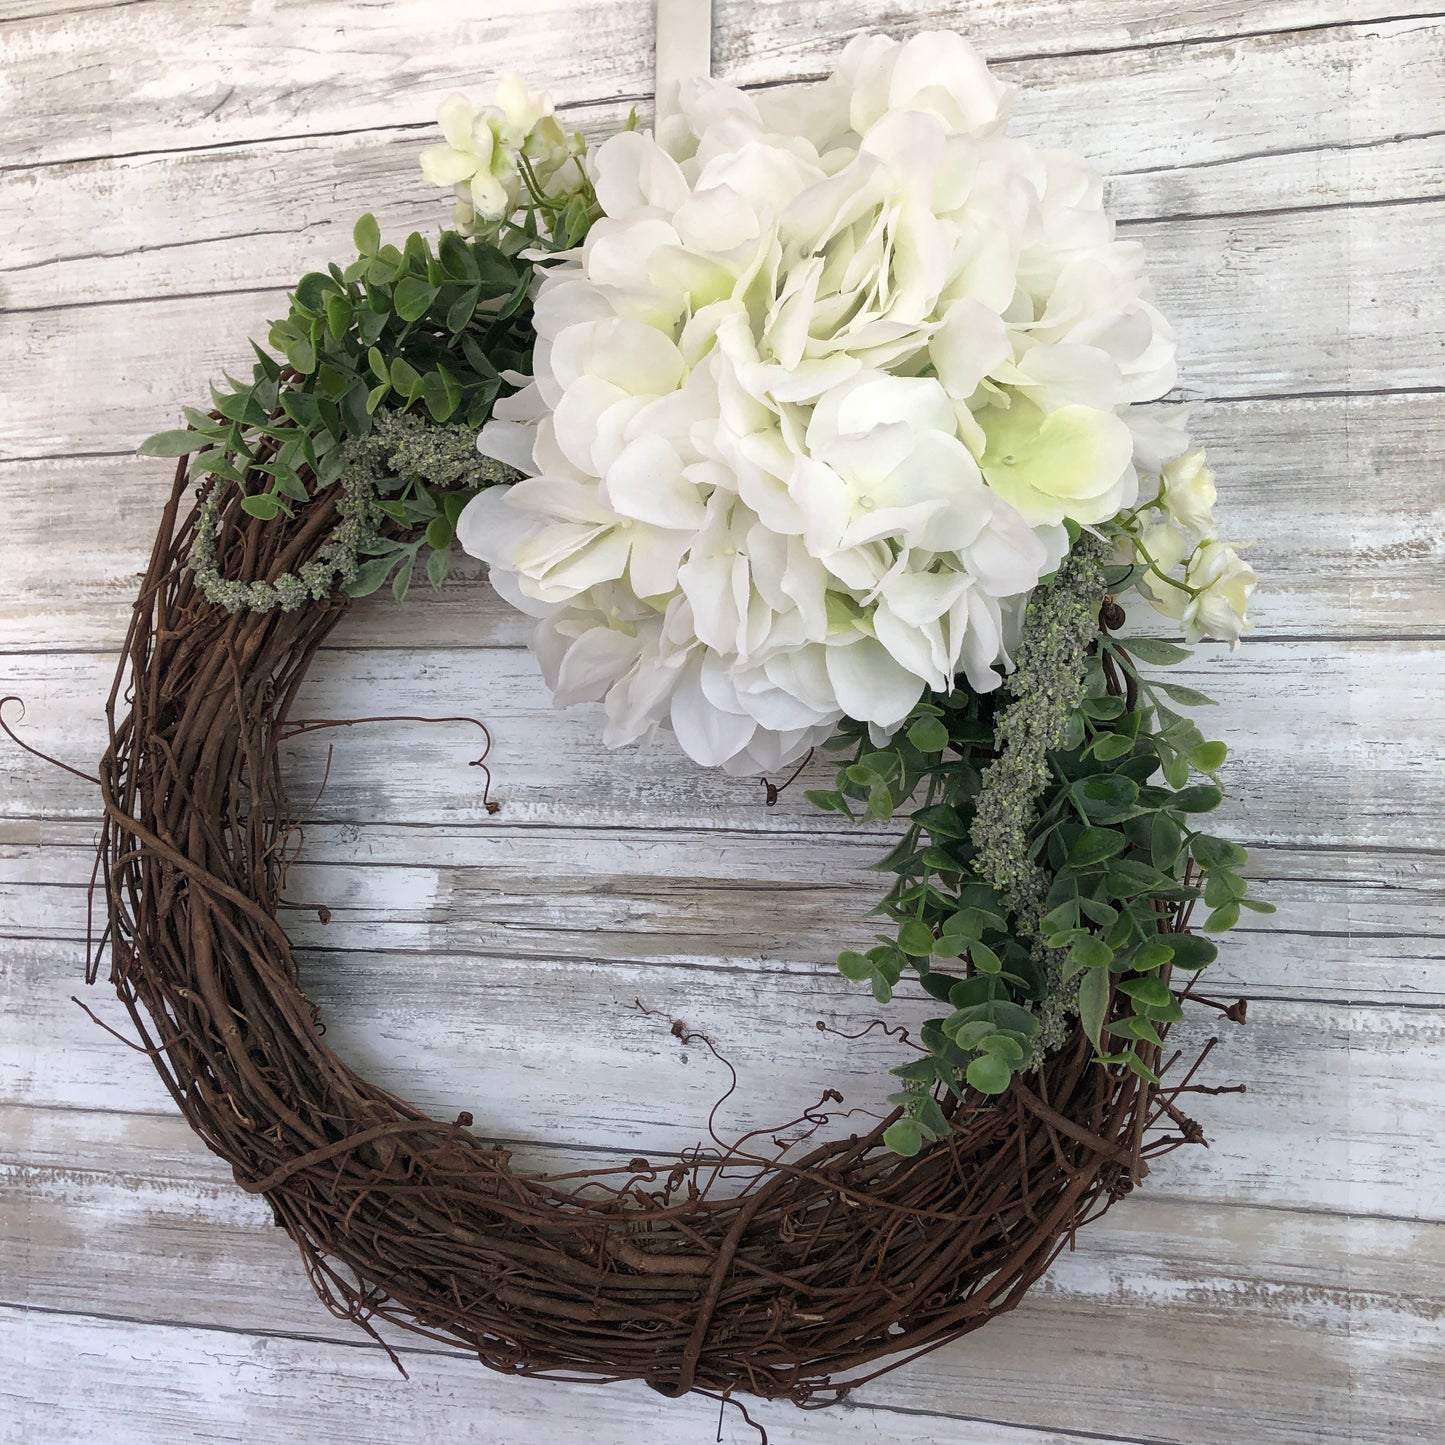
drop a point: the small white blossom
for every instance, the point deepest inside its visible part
(1188, 493)
(1166, 547)
(1224, 583)
(479, 156)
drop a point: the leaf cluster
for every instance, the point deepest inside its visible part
(409, 329)
(1118, 836)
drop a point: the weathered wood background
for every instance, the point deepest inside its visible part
(166, 168)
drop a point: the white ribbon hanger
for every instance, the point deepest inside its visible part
(684, 46)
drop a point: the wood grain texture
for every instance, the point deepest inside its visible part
(142, 1383)
(220, 73)
(167, 170)
(1354, 318)
(1357, 547)
(1317, 760)
(1354, 926)
(766, 40)
(1251, 1274)
(184, 73)
(556, 1055)
(1304, 118)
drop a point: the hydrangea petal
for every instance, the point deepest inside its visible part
(871, 684)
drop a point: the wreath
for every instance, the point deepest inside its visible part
(815, 419)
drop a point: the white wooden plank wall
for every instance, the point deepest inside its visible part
(166, 167)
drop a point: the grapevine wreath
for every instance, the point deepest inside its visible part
(818, 418)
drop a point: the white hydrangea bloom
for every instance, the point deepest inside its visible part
(813, 403)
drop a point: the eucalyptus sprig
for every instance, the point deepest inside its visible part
(407, 330)
(1116, 833)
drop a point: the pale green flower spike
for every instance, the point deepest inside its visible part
(400, 443)
(1046, 688)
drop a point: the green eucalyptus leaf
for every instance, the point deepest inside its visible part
(1152, 992)
(1094, 1004)
(1106, 797)
(1104, 708)
(1152, 650)
(928, 735)
(918, 1071)
(905, 1137)
(1065, 916)
(1223, 886)
(1211, 852)
(942, 821)
(314, 290)
(930, 1117)
(338, 316)
(440, 403)
(413, 298)
(1165, 842)
(1109, 746)
(1201, 798)
(404, 376)
(262, 506)
(1191, 951)
(1100, 912)
(463, 309)
(1138, 1066)
(968, 1032)
(171, 444)
(916, 939)
(1005, 1046)
(984, 959)
(1013, 1017)
(300, 353)
(1093, 845)
(1186, 695)
(938, 984)
(1208, 757)
(456, 256)
(215, 463)
(972, 991)
(267, 367)
(1154, 954)
(1135, 1027)
(989, 1074)
(370, 575)
(436, 568)
(1223, 918)
(1176, 769)
(367, 235)
(402, 581)
(829, 802)
(1092, 952)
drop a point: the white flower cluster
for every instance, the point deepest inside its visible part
(1193, 577)
(813, 404)
(485, 148)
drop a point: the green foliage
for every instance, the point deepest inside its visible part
(410, 330)
(1117, 834)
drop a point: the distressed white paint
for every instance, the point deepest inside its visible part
(167, 170)
(1356, 547)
